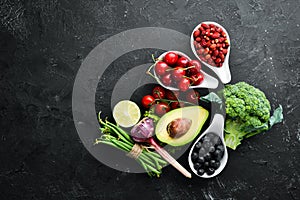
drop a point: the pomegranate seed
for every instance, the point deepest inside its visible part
(218, 60)
(213, 46)
(216, 40)
(221, 48)
(224, 51)
(221, 39)
(214, 57)
(203, 32)
(212, 29)
(201, 28)
(198, 39)
(203, 43)
(221, 55)
(205, 26)
(207, 38)
(206, 50)
(219, 45)
(212, 26)
(218, 29)
(210, 52)
(212, 41)
(207, 57)
(224, 34)
(201, 51)
(216, 53)
(223, 45)
(227, 44)
(215, 35)
(196, 33)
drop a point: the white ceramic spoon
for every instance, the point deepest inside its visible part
(216, 127)
(224, 71)
(208, 81)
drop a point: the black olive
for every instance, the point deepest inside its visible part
(197, 166)
(211, 149)
(216, 140)
(220, 147)
(217, 164)
(201, 159)
(210, 135)
(210, 171)
(198, 145)
(207, 156)
(194, 156)
(212, 163)
(200, 172)
(206, 165)
(207, 145)
(218, 155)
(202, 151)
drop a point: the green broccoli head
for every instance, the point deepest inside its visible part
(247, 112)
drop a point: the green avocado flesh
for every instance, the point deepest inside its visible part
(196, 114)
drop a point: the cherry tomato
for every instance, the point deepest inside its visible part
(196, 79)
(182, 61)
(166, 79)
(158, 92)
(171, 58)
(147, 101)
(192, 96)
(178, 73)
(172, 95)
(160, 68)
(195, 63)
(184, 84)
(162, 108)
(174, 105)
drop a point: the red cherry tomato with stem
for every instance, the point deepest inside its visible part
(148, 101)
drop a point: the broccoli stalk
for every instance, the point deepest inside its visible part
(247, 112)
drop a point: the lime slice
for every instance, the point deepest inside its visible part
(126, 113)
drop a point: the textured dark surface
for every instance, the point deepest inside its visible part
(42, 44)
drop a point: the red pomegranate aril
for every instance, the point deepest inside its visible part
(213, 29)
(221, 55)
(210, 52)
(223, 34)
(203, 43)
(224, 51)
(212, 26)
(216, 53)
(215, 35)
(198, 39)
(214, 57)
(218, 60)
(218, 29)
(213, 46)
(196, 33)
(207, 57)
(201, 28)
(201, 51)
(206, 50)
(205, 26)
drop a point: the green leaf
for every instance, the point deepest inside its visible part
(277, 116)
(212, 97)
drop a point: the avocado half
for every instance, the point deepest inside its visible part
(196, 114)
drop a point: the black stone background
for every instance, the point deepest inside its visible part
(42, 44)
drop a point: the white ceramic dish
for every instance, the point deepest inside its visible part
(208, 81)
(217, 127)
(224, 71)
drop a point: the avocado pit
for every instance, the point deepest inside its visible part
(178, 127)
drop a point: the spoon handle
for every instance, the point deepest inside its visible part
(170, 159)
(217, 125)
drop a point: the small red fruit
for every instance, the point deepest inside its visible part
(192, 96)
(195, 63)
(178, 73)
(196, 33)
(172, 95)
(182, 61)
(184, 84)
(158, 92)
(171, 58)
(148, 101)
(166, 79)
(162, 108)
(197, 78)
(160, 68)
(192, 71)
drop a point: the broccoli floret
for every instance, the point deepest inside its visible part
(247, 112)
